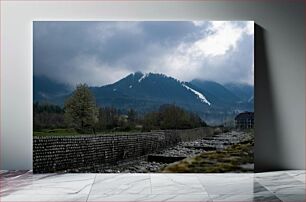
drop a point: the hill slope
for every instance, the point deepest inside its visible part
(149, 91)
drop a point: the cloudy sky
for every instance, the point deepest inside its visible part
(99, 53)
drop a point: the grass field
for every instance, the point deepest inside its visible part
(55, 132)
(230, 159)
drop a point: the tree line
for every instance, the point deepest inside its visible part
(81, 113)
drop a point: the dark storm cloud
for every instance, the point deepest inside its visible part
(170, 32)
(235, 66)
(102, 52)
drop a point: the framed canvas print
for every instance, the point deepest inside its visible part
(143, 96)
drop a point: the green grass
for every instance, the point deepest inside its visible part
(228, 160)
(55, 132)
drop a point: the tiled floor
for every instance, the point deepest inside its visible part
(270, 186)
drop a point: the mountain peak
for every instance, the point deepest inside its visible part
(143, 77)
(137, 73)
(140, 76)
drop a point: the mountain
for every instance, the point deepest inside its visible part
(221, 94)
(47, 90)
(146, 92)
(244, 91)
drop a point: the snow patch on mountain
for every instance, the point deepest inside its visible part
(143, 77)
(200, 95)
(250, 99)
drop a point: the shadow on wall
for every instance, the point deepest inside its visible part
(268, 154)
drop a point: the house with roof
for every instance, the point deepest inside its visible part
(244, 120)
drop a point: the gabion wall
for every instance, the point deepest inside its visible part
(53, 154)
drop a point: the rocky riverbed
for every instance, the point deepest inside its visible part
(214, 143)
(159, 161)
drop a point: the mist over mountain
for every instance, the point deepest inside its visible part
(244, 91)
(146, 92)
(47, 90)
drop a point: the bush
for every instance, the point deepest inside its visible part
(171, 117)
(47, 116)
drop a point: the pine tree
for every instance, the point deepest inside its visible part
(81, 110)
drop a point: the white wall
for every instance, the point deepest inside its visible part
(280, 72)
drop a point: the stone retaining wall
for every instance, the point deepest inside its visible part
(51, 154)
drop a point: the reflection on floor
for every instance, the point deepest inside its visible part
(270, 186)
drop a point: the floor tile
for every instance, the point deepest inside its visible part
(298, 175)
(266, 198)
(176, 184)
(258, 188)
(43, 198)
(295, 171)
(3, 171)
(282, 184)
(245, 198)
(222, 184)
(150, 198)
(272, 175)
(287, 186)
(48, 184)
(13, 173)
(231, 198)
(292, 197)
(120, 184)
